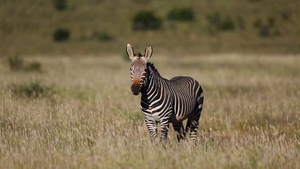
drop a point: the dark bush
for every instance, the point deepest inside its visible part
(271, 21)
(217, 22)
(257, 23)
(214, 18)
(146, 20)
(142, 1)
(34, 66)
(264, 30)
(267, 28)
(60, 5)
(61, 35)
(181, 14)
(15, 63)
(227, 24)
(33, 89)
(102, 36)
(285, 15)
(240, 23)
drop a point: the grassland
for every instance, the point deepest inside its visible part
(27, 27)
(83, 114)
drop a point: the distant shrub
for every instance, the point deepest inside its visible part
(214, 18)
(102, 36)
(271, 21)
(227, 24)
(285, 15)
(217, 22)
(146, 20)
(15, 63)
(60, 5)
(240, 23)
(276, 32)
(181, 14)
(266, 29)
(34, 66)
(61, 35)
(257, 23)
(33, 89)
(142, 1)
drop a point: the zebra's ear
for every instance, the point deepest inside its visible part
(148, 52)
(130, 51)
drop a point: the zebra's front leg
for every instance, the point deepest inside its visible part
(164, 128)
(152, 128)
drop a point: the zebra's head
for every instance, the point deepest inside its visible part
(138, 68)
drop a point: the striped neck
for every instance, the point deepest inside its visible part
(152, 79)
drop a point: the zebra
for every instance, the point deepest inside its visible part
(165, 101)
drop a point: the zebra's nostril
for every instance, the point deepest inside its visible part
(135, 88)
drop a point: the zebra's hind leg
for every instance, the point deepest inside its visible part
(193, 121)
(193, 124)
(178, 127)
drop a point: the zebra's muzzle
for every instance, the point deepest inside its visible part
(135, 88)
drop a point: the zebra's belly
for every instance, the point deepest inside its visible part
(178, 118)
(182, 113)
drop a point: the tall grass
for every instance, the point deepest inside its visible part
(250, 117)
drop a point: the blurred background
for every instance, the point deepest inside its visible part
(172, 27)
(65, 98)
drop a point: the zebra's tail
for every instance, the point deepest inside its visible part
(200, 99)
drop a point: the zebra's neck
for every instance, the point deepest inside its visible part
(153, 80)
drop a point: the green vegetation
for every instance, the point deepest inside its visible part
(32, 89)
(181, 14)
(60, 5)
(85, 115)
(61, 35)
(102, 36)
(217, 23)
(266, 29)
(34, 66)
(27, 28)
(17, 63)
(146, 20)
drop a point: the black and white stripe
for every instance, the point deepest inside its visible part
(171, 101)
(165, 101)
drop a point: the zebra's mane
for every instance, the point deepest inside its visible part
(149, 64)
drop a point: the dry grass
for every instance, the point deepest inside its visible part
(90, 119)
